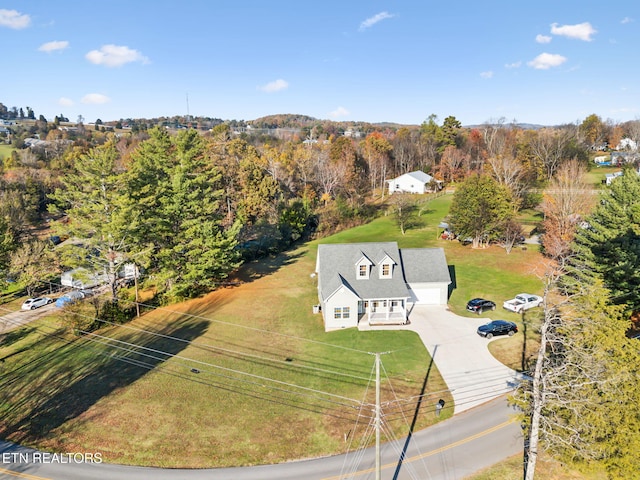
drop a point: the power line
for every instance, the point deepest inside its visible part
(471, 398)
(166, 370)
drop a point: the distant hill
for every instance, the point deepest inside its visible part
(284, 120)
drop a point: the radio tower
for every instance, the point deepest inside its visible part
(188, 116)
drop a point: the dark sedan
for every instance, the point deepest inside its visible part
(497, 327)
(479, 305)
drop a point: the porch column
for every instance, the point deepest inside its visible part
(388, 302)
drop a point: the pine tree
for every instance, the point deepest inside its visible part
(607, 247)
(175, 191)
(92, 199)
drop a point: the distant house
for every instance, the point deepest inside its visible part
(414, 182)
(82, 278)
(621, 158)
(377, 282)
(610, 177)
(627, 144)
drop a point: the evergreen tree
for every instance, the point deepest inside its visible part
(92, 198)
(607, 247)
(175, 191)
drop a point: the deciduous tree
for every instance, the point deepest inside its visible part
(582, 403)
(565, 203)
(479, 209)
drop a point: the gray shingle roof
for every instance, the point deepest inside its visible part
(337, 267)
(423, 265)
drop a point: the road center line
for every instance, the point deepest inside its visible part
(427, 454)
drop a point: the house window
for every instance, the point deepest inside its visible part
(337, 312)
(362, 270)
(345, 312)
(386, 270)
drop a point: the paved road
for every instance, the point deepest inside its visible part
(450, 450)
(12, 320)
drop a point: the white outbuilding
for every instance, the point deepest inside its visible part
(414, 182)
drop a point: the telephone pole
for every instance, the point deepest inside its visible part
(378, 468)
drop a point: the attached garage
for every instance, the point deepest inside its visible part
(425, 296)
(427, 275)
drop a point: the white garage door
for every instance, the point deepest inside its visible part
(425, 296)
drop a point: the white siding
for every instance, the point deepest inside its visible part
(343, 297)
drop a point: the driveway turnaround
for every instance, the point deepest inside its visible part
(472, 374)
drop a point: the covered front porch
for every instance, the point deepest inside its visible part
(385, 311)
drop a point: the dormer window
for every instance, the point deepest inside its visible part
(363, 268)
(385, 267)
(363, 271)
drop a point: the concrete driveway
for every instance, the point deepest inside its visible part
(472, 374)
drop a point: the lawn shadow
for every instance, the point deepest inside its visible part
(50, 389)
(403, 453)
(264, 266)
(13, 336)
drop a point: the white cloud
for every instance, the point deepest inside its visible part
(65, 102)
(543, 38)
(275, 86)
(14, 19)
(95, 99)
(115, 56)
(517, 64)
(339, 112)
(626, 20)
(53, 46)
(545, 61)
(487, 74)
(371, 21)
(580, 31)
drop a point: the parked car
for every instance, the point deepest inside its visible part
(33, 303)
(497, 327)
(479, 305)
(523, 301)
(69, 297)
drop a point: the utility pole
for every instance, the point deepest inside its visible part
(378, 468)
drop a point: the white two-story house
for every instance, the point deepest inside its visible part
(377, 282)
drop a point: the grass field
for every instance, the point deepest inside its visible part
(170, 379)
(5, 150)
(546, 468)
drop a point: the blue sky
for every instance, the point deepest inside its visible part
(546, 62)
